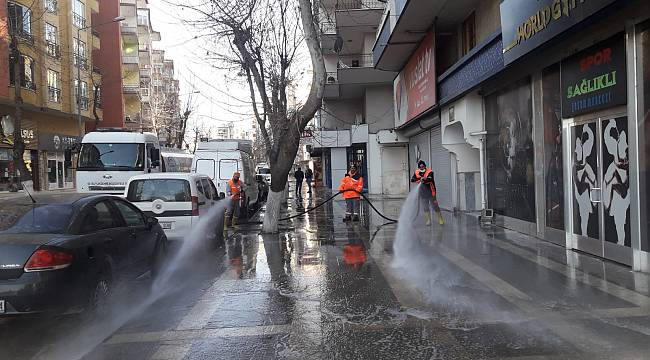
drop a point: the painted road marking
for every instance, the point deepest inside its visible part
(186, 335)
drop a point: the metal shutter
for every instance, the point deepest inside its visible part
(441, 166)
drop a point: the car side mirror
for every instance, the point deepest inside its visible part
(68, 157)
(151, 222)
(155, 157)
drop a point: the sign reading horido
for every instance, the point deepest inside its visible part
(527, 24)
(594, 79)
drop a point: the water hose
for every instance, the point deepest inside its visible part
(390, 221)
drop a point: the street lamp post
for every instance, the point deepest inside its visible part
(77, 61)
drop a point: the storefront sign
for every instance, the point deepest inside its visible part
(7, 132)
(594, 79)
(528, 24)
(415, 86)
(56, 142)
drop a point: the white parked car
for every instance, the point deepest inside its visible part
(177, 200)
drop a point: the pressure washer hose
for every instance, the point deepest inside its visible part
(390, 221)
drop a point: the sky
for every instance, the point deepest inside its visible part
(219, 100)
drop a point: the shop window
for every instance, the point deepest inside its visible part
(554, 172)
(510, 152)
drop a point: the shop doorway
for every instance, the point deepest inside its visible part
(600, 187)
(58, 177)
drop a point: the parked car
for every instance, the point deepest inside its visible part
(177, 200)
(65, 253)
(265, 171)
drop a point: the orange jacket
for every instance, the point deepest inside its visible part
(350, 185)
(235, 189)
(425, 178)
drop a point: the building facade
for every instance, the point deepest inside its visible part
(57, 85)
(355, 123)
(543, 109)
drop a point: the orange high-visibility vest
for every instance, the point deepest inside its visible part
(350, 186)
(419, 178)
(235, 189)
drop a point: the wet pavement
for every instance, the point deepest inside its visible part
(325, 289)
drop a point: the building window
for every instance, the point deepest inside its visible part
(81, 94)
(20, 20)
(510, 152)
(52, 41)
(78, 14)
(143, 17)
(468, 33)
(51, 6)
(80, 54)
(53, 86)
(26, 72)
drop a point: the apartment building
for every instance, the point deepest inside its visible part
(165, 103)
(57, 85)
(539, 112)
(355, 122)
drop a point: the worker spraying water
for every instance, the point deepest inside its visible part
(427, 192)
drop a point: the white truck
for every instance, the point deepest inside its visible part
(108, 158)
(220, 158)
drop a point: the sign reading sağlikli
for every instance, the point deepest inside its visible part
(594, 79)
(526, 24)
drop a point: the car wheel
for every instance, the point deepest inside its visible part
(159, 257)
(101, 292)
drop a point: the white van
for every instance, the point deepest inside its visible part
(176, 160)
(177, 200)
(108, 158)
(219, 159)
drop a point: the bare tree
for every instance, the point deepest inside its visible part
(264, 39)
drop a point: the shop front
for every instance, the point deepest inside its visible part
(9, 176)
(566, 145)
(53, 146)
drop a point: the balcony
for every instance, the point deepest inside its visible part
(53, 50)
(82, 102)
(355, 61)
(350, 13)
(145, 73)
(80, 62)
(23, 36)
(360, 4)
(130, 59)
(78, 20)
(131, 89)
(98, 103)
(53, 94)
(126, 29)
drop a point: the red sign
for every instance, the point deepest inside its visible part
(415, 87)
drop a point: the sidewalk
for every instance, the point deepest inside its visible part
(324, 289)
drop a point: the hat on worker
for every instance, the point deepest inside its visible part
(236, 174)
(421, 162)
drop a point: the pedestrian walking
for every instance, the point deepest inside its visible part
(233, 190)
(427, 191)
(309, 176)
(299, 176)
(352, 185)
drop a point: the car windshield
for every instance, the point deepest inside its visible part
(264, 171)
(43, 219)
(170, 190)
(105, 156)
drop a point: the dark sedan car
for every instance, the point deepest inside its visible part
(65, 253)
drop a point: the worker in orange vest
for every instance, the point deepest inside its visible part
(352, 185)
(234, 192)
(427, 192)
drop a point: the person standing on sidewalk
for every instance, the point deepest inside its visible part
(352, 185)
(427, 191)
(299, 176)
(309, 176)
(234, 190)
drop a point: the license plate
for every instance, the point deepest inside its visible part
(2, 307)
(166, 225)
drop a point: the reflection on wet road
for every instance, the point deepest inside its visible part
(324, 289)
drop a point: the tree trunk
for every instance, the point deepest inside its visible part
(19, 143)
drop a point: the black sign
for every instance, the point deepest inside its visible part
(594, 79)
(526, 24)
(56, 142)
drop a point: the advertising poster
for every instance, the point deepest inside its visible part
(510, 152)
(554, 173)
(415, 87)
(585, 178)
(616, 181)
